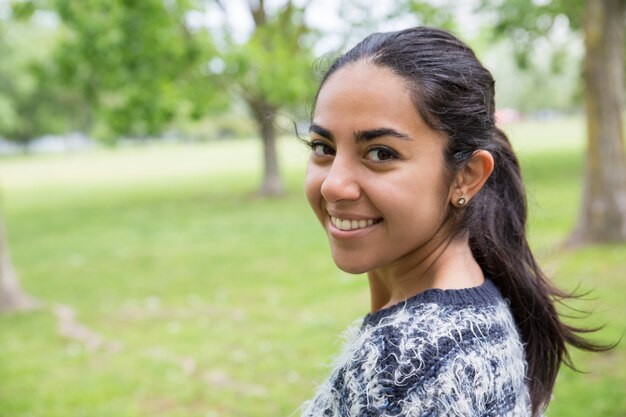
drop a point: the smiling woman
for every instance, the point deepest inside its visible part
(415, 186)
(375, 159)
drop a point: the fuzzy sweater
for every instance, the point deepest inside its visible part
(438, 353)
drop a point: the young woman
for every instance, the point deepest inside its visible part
(416, 186)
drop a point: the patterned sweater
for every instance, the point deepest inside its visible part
(438, 353)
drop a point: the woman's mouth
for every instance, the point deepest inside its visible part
(347, 225)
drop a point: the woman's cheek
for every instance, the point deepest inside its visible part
(312, 188)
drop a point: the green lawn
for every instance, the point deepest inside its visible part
(212, 302)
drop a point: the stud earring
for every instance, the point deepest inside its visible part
(461, 201)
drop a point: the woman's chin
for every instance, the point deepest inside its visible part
(352, 267)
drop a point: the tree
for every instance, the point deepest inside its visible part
(25, 111)
(137, 64)
(31, 102)
(270, 70)
(141, 65)
(12, 298)
(603, 208)
(603, 214)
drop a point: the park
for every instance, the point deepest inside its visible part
(185, 278)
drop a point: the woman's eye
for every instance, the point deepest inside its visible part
(322, 149)
(381, 154)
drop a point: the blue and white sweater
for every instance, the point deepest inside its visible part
(438, 353)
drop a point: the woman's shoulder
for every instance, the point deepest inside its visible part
(457, 346)
(436, 328)
(452, 352)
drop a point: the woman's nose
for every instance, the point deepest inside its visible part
(340, 182)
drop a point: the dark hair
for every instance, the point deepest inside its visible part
(454, 94)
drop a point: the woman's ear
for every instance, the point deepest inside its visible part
(471, 178)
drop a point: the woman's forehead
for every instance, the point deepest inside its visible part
(363, 78)
(362, 94)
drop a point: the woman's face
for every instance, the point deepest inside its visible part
(375, 178)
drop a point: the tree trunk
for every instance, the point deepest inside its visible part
(603, 214)
(265, 116)
(11, 296)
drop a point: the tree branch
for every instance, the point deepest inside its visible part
(258, 13)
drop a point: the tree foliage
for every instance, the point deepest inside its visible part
(136, 63)
(31, 102)
(527, 22)
(274, 63)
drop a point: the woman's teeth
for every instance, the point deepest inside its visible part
(350, 224)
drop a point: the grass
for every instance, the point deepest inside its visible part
(213, 302)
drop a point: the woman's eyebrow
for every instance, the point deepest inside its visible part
(361, 135)
(367, 135)
(321, 131)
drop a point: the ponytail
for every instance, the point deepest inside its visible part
(495, 220)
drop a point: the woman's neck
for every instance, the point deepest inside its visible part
(448, 265)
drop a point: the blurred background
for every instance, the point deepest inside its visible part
(157, 255)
